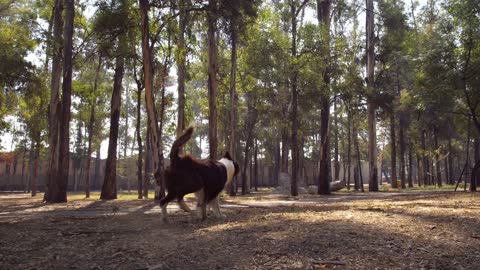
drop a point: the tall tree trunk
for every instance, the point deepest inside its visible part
(212, 77)
(138, 131)
(358, 164)
(425, 163)
(109, 188)
(335, 124)
(233, 104)
(393, 150)
(64, 136)
(249, 127)
(371, 106)
(149, 98)
(163, 77)
(35, 155)
(324, 175)
(450, 161)
(96, 173)
(294, 106)
(148, 161)
(437, 156)
(89, 148)
(90, 130)
(349, 149)
(52, 186)
(182, 67)
(475, 176)
(410, 165)
(420, 170)
(401, 142)
(277, 166)
(284, 151)
(255, 165)
(24, 161)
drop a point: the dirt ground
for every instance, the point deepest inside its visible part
(412, 230)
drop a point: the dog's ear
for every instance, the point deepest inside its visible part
(227, 156)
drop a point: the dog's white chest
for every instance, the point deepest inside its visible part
(230, 168)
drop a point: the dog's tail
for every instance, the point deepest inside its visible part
(179, 142)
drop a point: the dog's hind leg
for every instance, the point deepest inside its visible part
(201, 204)
(163, 204)
(183, 205)
(215, 204)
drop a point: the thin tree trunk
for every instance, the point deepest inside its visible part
(255, 165)
(371, 106)
(212, 78)
(64, 137)
(420, 170)
(393, 151)
(90, 130)
(425, 165)
(410, 166)
(276, 169)
(148, 171)
(335, 124)
(52, 186)
(401, 142)
(437, 161)
(323, 11)
(349, 149)
(181, 67)
(109, 188)
(24, 161)
(294, 106)
(233, 104)
(149, 98)
(285, 146)
(139, 137)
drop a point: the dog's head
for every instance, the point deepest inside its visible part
(235, 164)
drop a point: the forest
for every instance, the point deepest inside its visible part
(350, 120)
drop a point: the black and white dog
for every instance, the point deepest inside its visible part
(187, 174)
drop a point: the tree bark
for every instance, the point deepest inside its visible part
(335, 124)
(64, 135)
(139, 137)
(52, 186)
(182, 67)
(255, 165)
(294, 105)
(426, 166)
(349, 150)
(212, 77)
(437, 161)
(109, 188)
(410, 165)
(371, 106)
(148, 161)
(90, 130)
(323, 11)
(401, 142)
(149, 98)
(233, 104)
(393, 151)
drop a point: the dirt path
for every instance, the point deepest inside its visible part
(429, 230)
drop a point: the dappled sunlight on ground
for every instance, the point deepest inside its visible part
(401, 230)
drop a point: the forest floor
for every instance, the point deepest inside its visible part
(348, 230)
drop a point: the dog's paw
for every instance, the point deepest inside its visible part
(164, 220)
